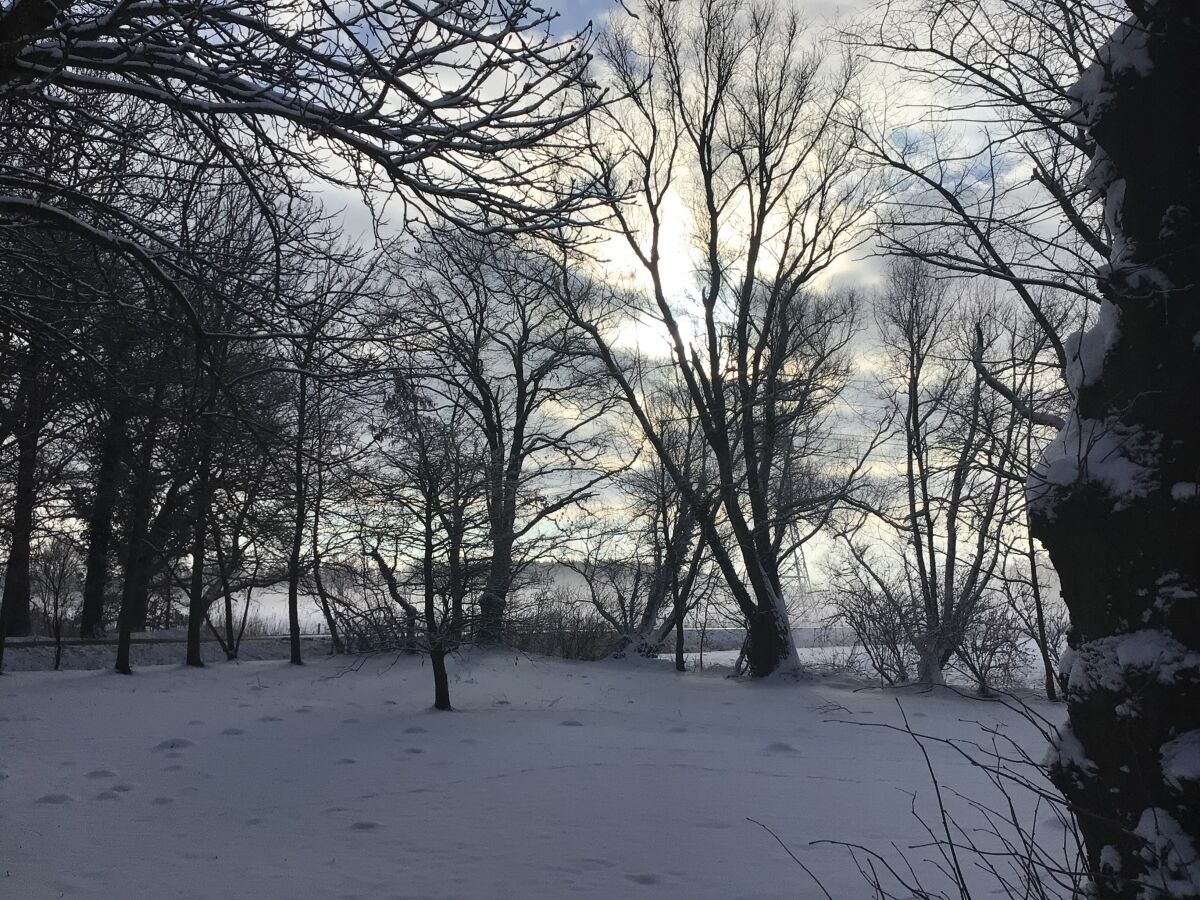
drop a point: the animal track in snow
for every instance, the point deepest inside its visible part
(174, 744)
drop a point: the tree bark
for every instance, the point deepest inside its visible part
(132, 615)
(15, 603)
(1115, 500)
(197, 605)
(108, 475)
(494, 597)
(434, 632)
(299, 495)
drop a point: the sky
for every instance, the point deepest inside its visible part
(576, 13)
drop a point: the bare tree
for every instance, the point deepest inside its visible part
(57, 577)
(734, 111)
(945, 524)
(496, 351)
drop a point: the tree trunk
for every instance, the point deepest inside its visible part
(494, 596)
(15, 603)
(1115, 501)
(132, 615)
(680, 663)
(1039, 609)
(434, 632)
(299, 496)
(197, 607)
(108, 475)
(769, 645)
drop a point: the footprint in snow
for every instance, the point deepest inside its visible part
(55, 799)
(349, 721)
(101, 773)
(678, 729)
(122, 788)
(174, 744)
(162, 801)
(468, 741)
(781, 747)
(389, 702)
(364, 826)
(303, 709)
(196, 722)
(643, 879)
(174, 767)
(255, 821)
(234, 731)
(413, 750)
(108, 795)
(571, 723)
(270, 719)
(416, 729)
(335, 809)
(347, 761)
(3, 776)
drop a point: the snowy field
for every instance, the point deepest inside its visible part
(551, 779)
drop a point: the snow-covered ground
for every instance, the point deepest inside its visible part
(551, 779)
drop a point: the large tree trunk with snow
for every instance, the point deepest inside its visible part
(1115, 501)
(769, 645)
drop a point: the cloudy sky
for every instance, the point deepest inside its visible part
(576, 13)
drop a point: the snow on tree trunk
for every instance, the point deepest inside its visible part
(1115, 499)
(771, 648)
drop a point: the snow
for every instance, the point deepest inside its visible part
(1181, 759)
(1102, 453)
(551, 779)
(1126, 54)
(1185, 491)
(1173, 864)
(1086, 349)
(1107, 663)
